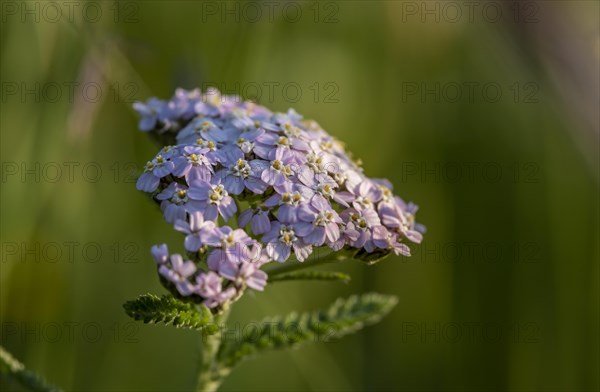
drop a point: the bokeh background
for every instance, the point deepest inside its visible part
(486, 115)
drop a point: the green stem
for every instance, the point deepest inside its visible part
(210, 375)
(211, 372)
(11, 368)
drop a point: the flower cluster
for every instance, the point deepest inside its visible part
(247, 186)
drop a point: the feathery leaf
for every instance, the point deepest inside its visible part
(152, 309)
(311, 275)
(343, 317)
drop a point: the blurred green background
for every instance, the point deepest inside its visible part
(488, 121)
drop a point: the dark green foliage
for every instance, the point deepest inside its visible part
(152, 309)
(312, 275)
(343, 317)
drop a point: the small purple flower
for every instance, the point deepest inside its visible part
(151, 113)
(242, 174)
(318, 223)
(322, 163)
(348, 236)
(270, 145)
(168, 152)
(154, 170)
(249, 123)
(181, 106)
(279, 171)
(320, 142)
(248, 273)
(160, 253)
(213, 198)
(289, 201)
(199, 127)
(232, 245)
(384, 239)
(323, 187)
(213, 153)
(209, 105)
(177, 272)
(214, 130)
(365, 195)
(394, 217)
(243, 122)
(197, 230)
(193, 164)
(410, 210)
(214, 104)
(362, 222)
(281, 239)
(258, 218)
(209, 287)
(291, 117)
(174, 202)
(246, 140)
(347, 177)
(387, 196)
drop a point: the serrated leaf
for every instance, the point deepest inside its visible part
(152, 309)
(343, 317)
(311, 275)
(13, 369)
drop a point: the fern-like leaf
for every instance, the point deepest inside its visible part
(311, 275)
(152, 309)
(343, 317)
(13, 369)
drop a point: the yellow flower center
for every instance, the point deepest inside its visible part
(228, 241)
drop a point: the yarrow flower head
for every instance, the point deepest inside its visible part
(248, 187)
